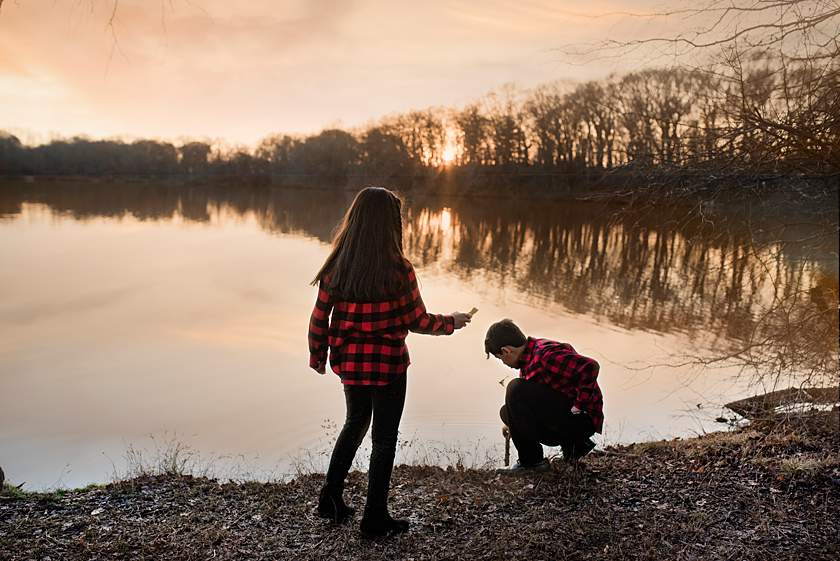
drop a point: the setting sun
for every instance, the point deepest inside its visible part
(449, 153)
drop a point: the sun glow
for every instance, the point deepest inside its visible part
(445, 218)
(448, 155)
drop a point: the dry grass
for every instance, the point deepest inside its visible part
(767, 493)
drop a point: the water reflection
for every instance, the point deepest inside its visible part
(638, 270)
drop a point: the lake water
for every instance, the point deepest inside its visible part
(132, 316)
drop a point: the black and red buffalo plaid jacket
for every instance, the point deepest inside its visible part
(366, 340)
(575, 376)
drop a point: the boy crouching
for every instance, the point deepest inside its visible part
(555, 401)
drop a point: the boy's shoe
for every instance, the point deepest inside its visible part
(373, 526)
(518, 469)
(578, 450)
(331, 505)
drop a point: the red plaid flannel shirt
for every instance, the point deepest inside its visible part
(573, 375)
(366, 340)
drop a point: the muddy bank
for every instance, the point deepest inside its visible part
(768, 492)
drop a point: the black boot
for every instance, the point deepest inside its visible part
(577, 450)
(331, 505)
(378, 525)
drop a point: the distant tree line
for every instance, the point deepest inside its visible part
(754, 120)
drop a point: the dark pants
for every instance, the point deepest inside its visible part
(385, 405)
(536, 415)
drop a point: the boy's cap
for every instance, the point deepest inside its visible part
(500, 334)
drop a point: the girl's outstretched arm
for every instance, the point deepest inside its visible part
(416, 317)
(318, 329)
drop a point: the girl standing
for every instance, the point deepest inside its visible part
(368, 301)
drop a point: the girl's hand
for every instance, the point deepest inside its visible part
(461, 319)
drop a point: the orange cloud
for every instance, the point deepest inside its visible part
(214, 68)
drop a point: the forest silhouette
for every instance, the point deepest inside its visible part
(757, 123)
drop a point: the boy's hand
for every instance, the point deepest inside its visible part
(505, 431)
(461, 319)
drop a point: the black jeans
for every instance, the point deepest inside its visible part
(536, 414)
(385, 405)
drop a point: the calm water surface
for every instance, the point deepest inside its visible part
(134, 315)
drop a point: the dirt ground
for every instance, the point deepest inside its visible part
(768, 492)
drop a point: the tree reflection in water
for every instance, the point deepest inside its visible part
(760, 287)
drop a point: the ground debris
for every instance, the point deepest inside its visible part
(770, 492)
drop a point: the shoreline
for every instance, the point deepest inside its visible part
(617, 185)
(771, 490)
(487, 455)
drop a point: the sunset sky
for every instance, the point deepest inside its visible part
(241, 70)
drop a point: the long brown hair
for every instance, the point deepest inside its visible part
(367, 249)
